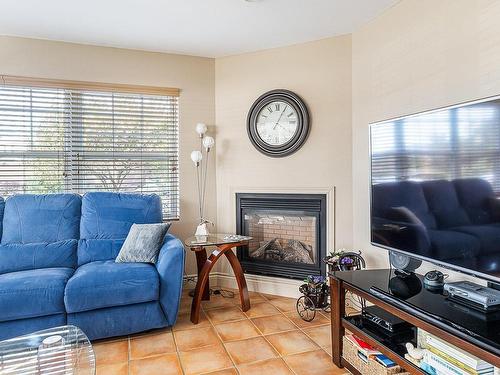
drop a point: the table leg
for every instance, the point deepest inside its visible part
(240, 278)
(337, 300)
(201, 258)
(202, 283)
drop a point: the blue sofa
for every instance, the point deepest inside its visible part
(455, 221)
(57, 265)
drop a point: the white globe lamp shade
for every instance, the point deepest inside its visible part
(208, 143)
(196, 157)
(201, 129)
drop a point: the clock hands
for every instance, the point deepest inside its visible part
(279, 118)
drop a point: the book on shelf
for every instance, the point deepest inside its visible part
(458, 354)
(456, 357)
(362, 346)
(384, 361)
(442, 367)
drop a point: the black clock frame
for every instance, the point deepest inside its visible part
(303, 123)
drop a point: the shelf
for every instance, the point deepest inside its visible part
(371, 338)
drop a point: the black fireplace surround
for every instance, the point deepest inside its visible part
(308, 207)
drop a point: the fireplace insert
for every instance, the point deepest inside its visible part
(288, 230)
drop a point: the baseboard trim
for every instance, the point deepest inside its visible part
(257, 283)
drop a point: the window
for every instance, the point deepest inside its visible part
(74, 138)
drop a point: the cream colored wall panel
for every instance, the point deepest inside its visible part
(194, 76)
(418, 55)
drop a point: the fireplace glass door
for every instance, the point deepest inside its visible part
(288, 234)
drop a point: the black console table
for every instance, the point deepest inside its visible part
(471, 330)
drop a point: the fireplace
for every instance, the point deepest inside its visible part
(288, 230)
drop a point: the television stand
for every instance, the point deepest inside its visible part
(472, 331)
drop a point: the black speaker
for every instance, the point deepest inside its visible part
(403, 262)
(405, 286)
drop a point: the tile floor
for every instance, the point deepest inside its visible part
(270, 338)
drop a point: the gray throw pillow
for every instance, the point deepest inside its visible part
(143, 243)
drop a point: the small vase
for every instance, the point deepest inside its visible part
(202, 230)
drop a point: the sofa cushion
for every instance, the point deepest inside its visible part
(105, 284)
(93, 250)
(407, 194)
(488, 236)
(450, 244)
(443, 202)
(110, 215)
(32, 218)
(20, 257)
(27, 294)
(143, 243)
(475, 195)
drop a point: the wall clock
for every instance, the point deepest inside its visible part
(278, 123)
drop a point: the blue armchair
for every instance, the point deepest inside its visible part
(57, 266)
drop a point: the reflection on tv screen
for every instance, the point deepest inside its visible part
(436, 186)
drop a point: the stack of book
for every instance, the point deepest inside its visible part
(367, 352)
(442, 358)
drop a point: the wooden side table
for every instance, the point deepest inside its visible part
(223, 246)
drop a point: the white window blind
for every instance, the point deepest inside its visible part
(70, 140)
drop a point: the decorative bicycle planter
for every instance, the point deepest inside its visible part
(315, 297)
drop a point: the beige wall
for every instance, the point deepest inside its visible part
(193, 75)
(418, 55)
(319, 72)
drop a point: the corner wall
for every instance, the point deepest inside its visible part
(416, 56)
(319, 72)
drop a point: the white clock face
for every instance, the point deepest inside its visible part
(277, 123)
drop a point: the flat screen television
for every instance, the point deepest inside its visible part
(435, 186)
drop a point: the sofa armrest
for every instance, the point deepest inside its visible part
(170, 266)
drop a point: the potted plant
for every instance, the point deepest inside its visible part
(316, 289)
(343, 260)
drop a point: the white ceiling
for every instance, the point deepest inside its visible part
(209, 28)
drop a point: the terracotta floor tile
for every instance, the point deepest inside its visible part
(195, 338)
(167, 364)
(112, 369)
(184, 322)
(318, 320)
(326, 314)
(261, 309)
(284, 304)
(250, 350)
(273, 324)
(275, 366)
(320, 335)
(185, 305)
(229, 371)
(153, 344)
(291, 342)
(256, 297)
(312, 363)
(328, 349)
(206, 359)
(225, 314)
(217, 301)
(111, 352)
(239, 330)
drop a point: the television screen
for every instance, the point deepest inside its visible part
(435, 186)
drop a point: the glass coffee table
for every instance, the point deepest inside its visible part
(223, 245)
(61, 350)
